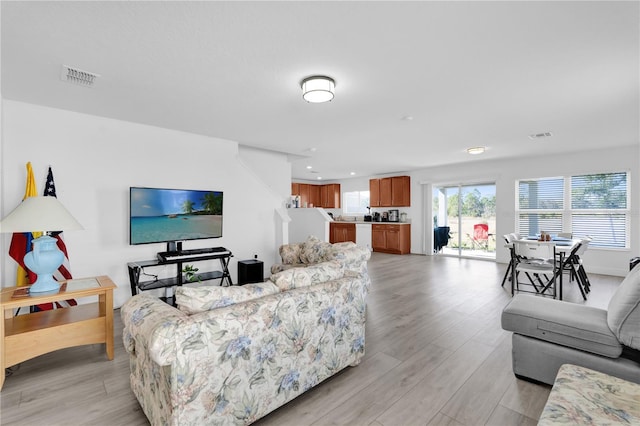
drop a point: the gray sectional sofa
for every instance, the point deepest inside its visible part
(548, 333)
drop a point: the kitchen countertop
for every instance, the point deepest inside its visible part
(361, 222)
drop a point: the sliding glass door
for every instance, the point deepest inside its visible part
(469, 213)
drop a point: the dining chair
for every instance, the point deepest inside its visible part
(537, 261)
(572, 265)
(508, 240)
(581, 274)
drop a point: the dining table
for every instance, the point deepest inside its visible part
(564, 247)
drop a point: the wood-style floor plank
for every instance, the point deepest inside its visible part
(435, 354)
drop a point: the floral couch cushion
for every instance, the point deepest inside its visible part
(581, 396)
(302, 277)
(192, 300)
(290, 253)
(314, 251)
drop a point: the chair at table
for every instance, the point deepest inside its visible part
(536, 260)
(480, 238)
(509, 239)
(575, 262)
(572, 265)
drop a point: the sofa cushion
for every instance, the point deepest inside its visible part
(623, 313)
(314, 251)
(310, 275)
(192, 300)
(587, 397)
(290, 253)
(568, 324)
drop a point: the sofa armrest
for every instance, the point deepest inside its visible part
(151, 323)
(568, 324)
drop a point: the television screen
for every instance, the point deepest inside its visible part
(165, 215)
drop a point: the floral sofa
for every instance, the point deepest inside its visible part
(230, 355)
(581, 396)
(313, 251)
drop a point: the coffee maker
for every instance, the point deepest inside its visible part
(394, 215)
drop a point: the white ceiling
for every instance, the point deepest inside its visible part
(468, 73)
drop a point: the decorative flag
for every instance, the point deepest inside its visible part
(21, 241)
(64, 271)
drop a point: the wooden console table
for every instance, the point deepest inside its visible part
(30, 335)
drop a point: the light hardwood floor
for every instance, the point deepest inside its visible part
(435, 355)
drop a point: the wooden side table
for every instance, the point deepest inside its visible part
(26, 336)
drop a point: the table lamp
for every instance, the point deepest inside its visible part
(41, 214)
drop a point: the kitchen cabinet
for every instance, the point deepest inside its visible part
(392, 191)
(385, 192)
(374, 192)
(333, 196)
(394, 239)
(401, 191)
(327, 196)
(314, 196)
(342, 232)
(304, 195)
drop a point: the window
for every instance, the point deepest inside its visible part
(356, 202)
(540, 205)
(599, 208)
(595, 205)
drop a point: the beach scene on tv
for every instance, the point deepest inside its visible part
(159, 215)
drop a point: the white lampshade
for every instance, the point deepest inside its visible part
(318, 89)
(37, 214)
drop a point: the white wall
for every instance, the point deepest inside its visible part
(504, 173)
(307, 222)
(95, 160)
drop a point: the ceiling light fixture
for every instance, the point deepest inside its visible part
(318, 89)
(475, 150)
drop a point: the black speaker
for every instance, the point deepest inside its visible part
(250, 271)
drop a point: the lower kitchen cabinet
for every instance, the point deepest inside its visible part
(394, 239)
(342, 232)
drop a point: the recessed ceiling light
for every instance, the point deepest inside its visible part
(352, 173)
(319, 178)
(407, 118)
(475, 150)
(309, 167)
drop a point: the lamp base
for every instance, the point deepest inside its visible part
(45, 284)
(44, 260)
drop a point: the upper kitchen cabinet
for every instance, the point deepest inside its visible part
(314, 196)
(374, 192)
(330, 196)
(327, 196)
(390, 192)
(401, 191)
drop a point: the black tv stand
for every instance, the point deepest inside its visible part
(178, 258)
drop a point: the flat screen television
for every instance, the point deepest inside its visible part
(159, 215)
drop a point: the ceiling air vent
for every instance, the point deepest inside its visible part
(540, 135)
(78, 77)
